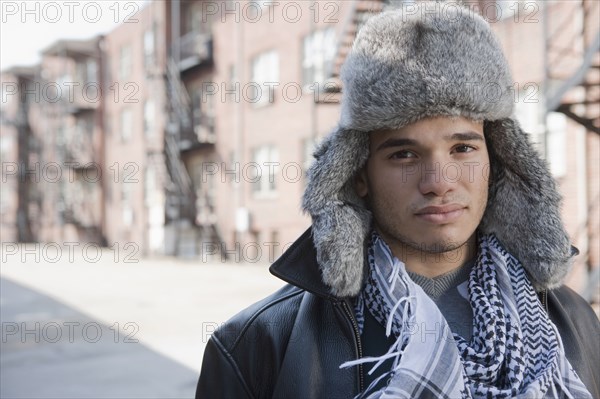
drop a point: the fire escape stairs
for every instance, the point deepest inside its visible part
(360, 11)
(180, 193)
(24, 228)
(179, 184)
(585, 111)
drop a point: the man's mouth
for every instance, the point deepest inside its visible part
(441, 214)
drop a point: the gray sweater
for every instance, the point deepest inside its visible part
(449, 292)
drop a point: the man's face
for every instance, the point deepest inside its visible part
(427, 183)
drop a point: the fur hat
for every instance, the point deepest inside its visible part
(433, 59)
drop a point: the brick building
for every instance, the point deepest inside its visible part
(15, 135)
(209, 111)
(135, 119)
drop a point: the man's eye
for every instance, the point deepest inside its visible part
(464, 148)
(403, 154)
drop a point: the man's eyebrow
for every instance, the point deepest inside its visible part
(464, 136)
(396, 142)
(400, 142)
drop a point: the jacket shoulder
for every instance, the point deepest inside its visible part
(573, 305)
(267, 316)
(579, 329)
(569, 311)
(258, 335)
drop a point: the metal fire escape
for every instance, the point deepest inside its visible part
(75, 148)
(27, 190)
(359, 12)
(572, 39)
(181, 197)
(188, 205)
(573, 63)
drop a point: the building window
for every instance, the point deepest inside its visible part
(6, 148)
(265, 74)
(149, 118)
(529, 113)
(92, 71)
(318, 56)
(150, 47)
(126, 203)
(87, 71)
(263, 171)
(203, 115)
(557, 142)
(150, 186)
(126, 124)
(55, 90)
(125, 62)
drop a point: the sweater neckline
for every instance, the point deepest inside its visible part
(437, 286)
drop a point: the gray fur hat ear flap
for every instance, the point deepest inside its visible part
(523, 208)
(340, 220)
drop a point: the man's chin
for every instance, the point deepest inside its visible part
(439, 245)
(439, 241)
(441, 248)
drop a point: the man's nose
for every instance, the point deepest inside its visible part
(438, 177)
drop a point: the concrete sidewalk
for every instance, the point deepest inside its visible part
(73, 328)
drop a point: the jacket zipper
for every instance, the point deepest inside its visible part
(545, 300)
(358, 343)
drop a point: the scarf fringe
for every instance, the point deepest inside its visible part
(515, 349)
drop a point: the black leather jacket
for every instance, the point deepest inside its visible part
(290, 344)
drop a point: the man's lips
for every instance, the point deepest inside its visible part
(441, 214)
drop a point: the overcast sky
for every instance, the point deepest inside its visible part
(27, 27)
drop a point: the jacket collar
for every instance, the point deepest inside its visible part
(298, 266)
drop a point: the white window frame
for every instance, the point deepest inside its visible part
(149, 118)
(125, 62)
(265, 70)
(7, 144)
(266, 159)
(149, 41)
(556, 123)
(529, 113)
(150, 185)
(127, 212)
(318, 53)
(91, 69)
(86, 71)
(126, 124)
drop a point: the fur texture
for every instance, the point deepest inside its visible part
(523, 208)
(404, 68)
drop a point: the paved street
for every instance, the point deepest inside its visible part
(104, 328)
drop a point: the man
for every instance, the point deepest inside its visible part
(434, 263)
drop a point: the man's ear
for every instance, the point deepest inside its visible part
(361, 185)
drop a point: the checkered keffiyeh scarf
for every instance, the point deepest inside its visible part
(515, 350)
